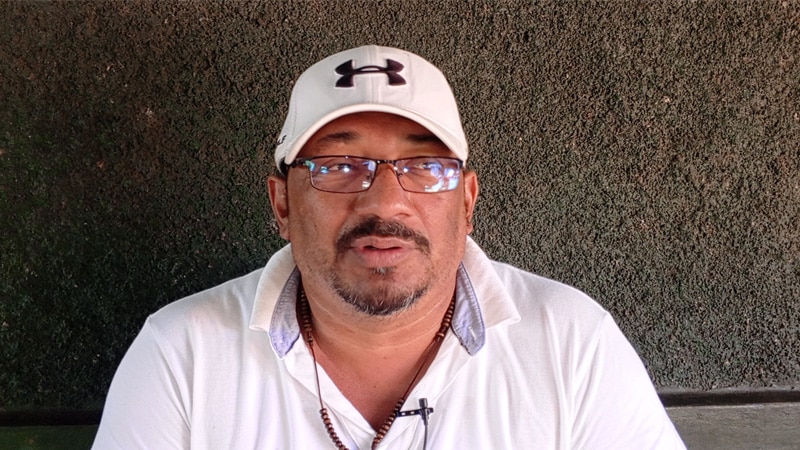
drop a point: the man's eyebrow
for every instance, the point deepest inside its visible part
(349, 136)
(424, 138)
(337, 138)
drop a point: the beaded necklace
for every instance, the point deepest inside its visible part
(430, 351)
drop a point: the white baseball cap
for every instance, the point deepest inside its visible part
(371, 78)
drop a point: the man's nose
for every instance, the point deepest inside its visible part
(387, 173)
(385, 196)
(387, 170)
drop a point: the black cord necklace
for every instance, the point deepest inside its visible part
(308, 333)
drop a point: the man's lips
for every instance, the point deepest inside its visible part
(380, 243)
(377, 244)
(375, 251)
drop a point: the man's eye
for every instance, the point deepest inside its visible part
(340, 168)
(424, 165)
(430, 165)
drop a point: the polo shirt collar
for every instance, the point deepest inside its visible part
(467, 323)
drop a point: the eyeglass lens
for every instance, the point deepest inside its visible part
(346, 174)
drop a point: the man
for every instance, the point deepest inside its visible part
(382, 324)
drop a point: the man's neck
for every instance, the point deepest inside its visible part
(372, 360)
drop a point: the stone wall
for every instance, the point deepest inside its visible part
(645, 152)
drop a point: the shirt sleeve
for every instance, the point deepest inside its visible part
(617, 405)
(147, 404)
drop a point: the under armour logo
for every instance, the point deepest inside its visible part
(347, 71)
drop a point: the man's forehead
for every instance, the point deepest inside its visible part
(361, 127)
(344, 137)
(377, 120)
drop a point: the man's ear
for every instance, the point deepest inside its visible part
(279, 199)
(470, 196)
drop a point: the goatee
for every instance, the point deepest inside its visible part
(386, 297)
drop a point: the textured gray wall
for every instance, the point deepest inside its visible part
(646, 153)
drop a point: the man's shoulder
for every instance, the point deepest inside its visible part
(226, 302)
(233, 302)
(532, 296)
(530, 290)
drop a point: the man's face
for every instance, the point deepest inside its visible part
(384, 248)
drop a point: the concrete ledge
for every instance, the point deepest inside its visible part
(78, 437)
(727, 420)
(730, 397)
(771, 426)
(49, 417)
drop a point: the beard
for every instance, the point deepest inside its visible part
(381, 294)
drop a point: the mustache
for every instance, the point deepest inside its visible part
(373, 226)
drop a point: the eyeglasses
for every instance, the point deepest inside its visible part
(348, 174)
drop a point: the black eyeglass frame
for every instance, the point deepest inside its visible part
(303, 162)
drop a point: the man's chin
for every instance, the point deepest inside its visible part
(382, 271)
(381, 301)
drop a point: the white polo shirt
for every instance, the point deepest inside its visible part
(530, 363)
